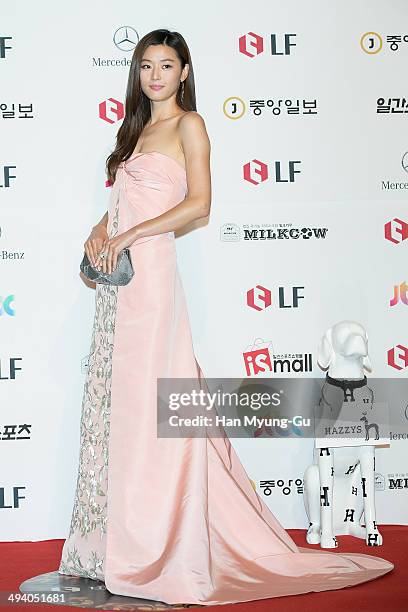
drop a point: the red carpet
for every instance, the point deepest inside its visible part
(22, 560)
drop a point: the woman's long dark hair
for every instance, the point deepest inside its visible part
(137, 105)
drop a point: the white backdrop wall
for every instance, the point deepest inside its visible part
(58, 64)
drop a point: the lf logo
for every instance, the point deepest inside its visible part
(7, 175)
(252, 44)
(396, 230)
(115, 110)
(397, 357)
(6, 307)
(256, 172)
(260, 297)
(3, 46)
(14, 498)
(12, 369)
(400, 294)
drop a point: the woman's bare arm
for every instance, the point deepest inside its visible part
(103, 221)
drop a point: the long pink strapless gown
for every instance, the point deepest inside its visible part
(171, 519)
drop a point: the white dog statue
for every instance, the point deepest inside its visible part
(339, 485)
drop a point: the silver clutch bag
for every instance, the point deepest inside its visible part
(122, 274)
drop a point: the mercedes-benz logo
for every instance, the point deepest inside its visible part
(126, 38)
(404, 162)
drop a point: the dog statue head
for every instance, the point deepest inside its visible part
(346, 340)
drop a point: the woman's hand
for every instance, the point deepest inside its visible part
(95, 242)
(112, 248)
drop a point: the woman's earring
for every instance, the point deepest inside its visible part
(182, 90)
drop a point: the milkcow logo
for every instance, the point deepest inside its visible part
(231, 232)
(379, 482)
(395, 482)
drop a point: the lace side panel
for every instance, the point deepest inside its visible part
(84, 549)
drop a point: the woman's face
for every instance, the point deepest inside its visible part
(160, 72)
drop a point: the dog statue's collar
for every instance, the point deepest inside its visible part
(346, 383)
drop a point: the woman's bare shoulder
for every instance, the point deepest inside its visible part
(192, 129)
(192, 117)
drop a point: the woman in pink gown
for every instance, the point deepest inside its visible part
(169, 519)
